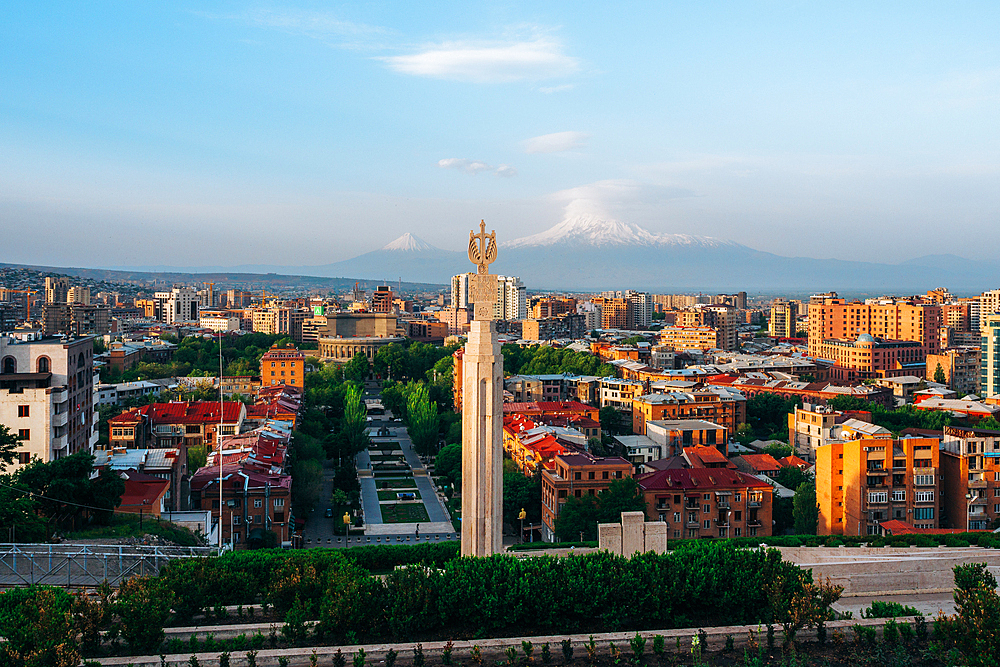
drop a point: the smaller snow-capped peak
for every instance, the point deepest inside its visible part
(409, 243)
(594, 230)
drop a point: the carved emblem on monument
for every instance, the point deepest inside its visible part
(483, 285)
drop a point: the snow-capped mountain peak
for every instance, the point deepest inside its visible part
(592, 230)
(409, 243)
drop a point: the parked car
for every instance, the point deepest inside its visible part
(329, 513)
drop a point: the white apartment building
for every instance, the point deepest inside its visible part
(178, 305)
(219, 321)
(47, 396)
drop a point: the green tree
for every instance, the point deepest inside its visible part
(392, 362)
(8, 446)
(307, 485)
(448, 464)
(355, 423)
(622, 495)
(613, 421)
(522, 492)
(768, 415)
(778, 450)
(37, 624)
(66, 492)
(578, 516)
(422, 420)
(805, 511)
(939, 375)
(357, 369)
(791, 477)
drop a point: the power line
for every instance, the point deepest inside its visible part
(64, 502)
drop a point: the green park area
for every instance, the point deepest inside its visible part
(393, 494)
(404, 513)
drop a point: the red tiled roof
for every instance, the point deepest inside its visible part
(793, 461)
(200, 412)
(761, 462)
(706, 454)
(699, 478)
(142, 490)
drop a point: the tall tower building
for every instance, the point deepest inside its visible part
(989, 360)
(511, 301)
(56, 290)
(783, 317)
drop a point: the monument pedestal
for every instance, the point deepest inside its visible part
(482, 442)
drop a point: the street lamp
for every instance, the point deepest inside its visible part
(522, 516)
(968, 509)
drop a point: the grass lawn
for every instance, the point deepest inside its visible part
(402, 483)
(390, 494)
(387, 457)
(127, 525)
(404, 513)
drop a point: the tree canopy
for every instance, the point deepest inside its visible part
(541, 360)
(581, 515)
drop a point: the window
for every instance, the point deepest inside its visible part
(257, 502)
(604, 475)
(577, 493)
(878, 497)
(738, 515)
(237, 519)
(43, 364)
(24, 411)
(706, 508)
(256, 518)
(923, 480)
(590, 475)
(923, 513)
(24, 433)
(279, 502)
(707, 496)
(577, 475)
(925, 496)
(737, 497)
(898, 495)
(677, 517)
(707, 524)
(24, 458)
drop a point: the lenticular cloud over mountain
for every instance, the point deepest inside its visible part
(590, 229)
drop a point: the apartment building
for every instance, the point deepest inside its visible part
(675, 435)
(546, 307)
(47, 397)
(219, 320)
(176, 425)
(382, 300)
(705, 405)
(783, 318)
(989, 360)
(178, 305)
(576, 475)
(970, 478)
(565, 326)
(702, 503)
(813, 426)
(832, 318)
(616, 313)
(869, 357)
(861, 483)
(511, 300)
(960, 366)
(255, 500)
(682, 338)
(283, 365)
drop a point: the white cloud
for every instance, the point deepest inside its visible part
(502, 62)
(612, 197)
(556, 142)
(475, 166)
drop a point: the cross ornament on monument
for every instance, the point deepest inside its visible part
(483, 285)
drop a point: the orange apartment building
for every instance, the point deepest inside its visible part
(283, 365)
(691, 338)
(552, 307)
(704, 405)
(970, 478)
(616, 313)
(708, 502)
(861, 483)
(835, 318)
(576, 475)
(869, 357)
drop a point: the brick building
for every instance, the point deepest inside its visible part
(576, 475)
(283, 365)
(970, 478)
(708, 502)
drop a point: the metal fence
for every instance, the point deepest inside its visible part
(85, 565)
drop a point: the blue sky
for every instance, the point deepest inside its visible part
(185, 134)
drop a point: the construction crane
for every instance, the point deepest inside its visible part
(27, 301)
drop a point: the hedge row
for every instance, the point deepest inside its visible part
(273, 576)
(713, 584)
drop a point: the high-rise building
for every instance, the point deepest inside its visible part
(970, 478)
(78, 294)
(178, 305)
(989, 359)
(511, 301)
(47, 397)
(382, 299)
(616, 312)
(888, 319)
(783, 318)
(56, 290)
(642, 308)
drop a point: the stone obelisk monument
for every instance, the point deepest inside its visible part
(482, 409)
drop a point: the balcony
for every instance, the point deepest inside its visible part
(59, 442)
(60, 419)
(754, 503)
(692, 506)
(753, 523)
(693, 524)
(723, 504)
(877, 471)
(977, 484)
(722, 523)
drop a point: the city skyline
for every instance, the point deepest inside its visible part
(305, 134)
